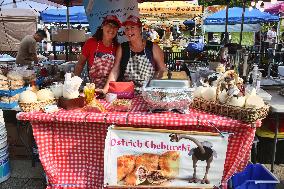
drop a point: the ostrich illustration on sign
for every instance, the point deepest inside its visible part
(148, 157)
(203, 152)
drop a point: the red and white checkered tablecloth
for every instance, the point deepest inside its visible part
(71, 143)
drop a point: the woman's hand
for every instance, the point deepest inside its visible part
(101, 91)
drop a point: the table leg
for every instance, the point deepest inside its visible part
(30, 148)
(275, 142)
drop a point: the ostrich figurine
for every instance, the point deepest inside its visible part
(202, 152)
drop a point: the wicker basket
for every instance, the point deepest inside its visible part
(248, 115)
(35, 106)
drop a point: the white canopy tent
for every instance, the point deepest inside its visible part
(232, 28)
(14, 26)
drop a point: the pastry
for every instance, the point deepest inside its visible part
(7, 99)
(254, 101)
(95, 106)
(176, 75)
(223, 97)
(44, 94)
(199, 91)
(125, 165)
(156, 177)
(121, 105)
(209, 94)
(14, 87)
(237, 101)
(136, 177)
(169, 164)
(4, 87)
(150, 161)
(3, 82)
(3, 78)
(28, 97)
(13, 75)
(17, 82)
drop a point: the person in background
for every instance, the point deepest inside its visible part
(47, 40)
(271, 36)
(79, 27)
(145, 33)
(160, 31)
(27, 52)
(99, 51)
(271, 39)
(136, 60)
(174, 32)
(167, 40)
(154, 36)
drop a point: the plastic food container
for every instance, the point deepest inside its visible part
(121, 105)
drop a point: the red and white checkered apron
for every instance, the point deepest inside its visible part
(101, 68)
(71, 143)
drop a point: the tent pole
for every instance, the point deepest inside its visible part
(278, 31)
(67, 44)
(227, 20)
(68, 17)
(242, 24)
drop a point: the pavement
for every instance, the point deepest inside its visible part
(24, 176)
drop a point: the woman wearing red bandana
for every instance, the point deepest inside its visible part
(99, 51)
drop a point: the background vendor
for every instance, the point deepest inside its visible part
(28, 48)
(138, 59)
(100, 52)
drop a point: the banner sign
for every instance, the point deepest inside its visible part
(171, 10)
(96, 10)
(161, 158)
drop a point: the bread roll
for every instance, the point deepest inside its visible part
(28, 97)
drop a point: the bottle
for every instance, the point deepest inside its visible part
(89, 92)
(256, 77)
(34, 87)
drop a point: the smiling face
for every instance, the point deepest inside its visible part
(132, 32)
(109, 31)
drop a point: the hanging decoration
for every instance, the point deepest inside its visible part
(169, 13)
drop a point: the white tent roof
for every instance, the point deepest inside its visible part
(18, 12)
(35, 5)
(232, 28)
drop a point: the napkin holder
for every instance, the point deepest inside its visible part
(69, 104)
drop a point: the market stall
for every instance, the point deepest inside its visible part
(71, 143)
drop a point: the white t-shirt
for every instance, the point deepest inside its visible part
(271, 36)
(154, 35)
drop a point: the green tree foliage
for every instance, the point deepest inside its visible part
(232, 3)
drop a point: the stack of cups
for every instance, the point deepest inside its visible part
(4, 155)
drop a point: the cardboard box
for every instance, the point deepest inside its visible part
(69, 104)
(68, 35)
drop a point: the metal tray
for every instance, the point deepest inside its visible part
(158, 83)
(159, 98)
